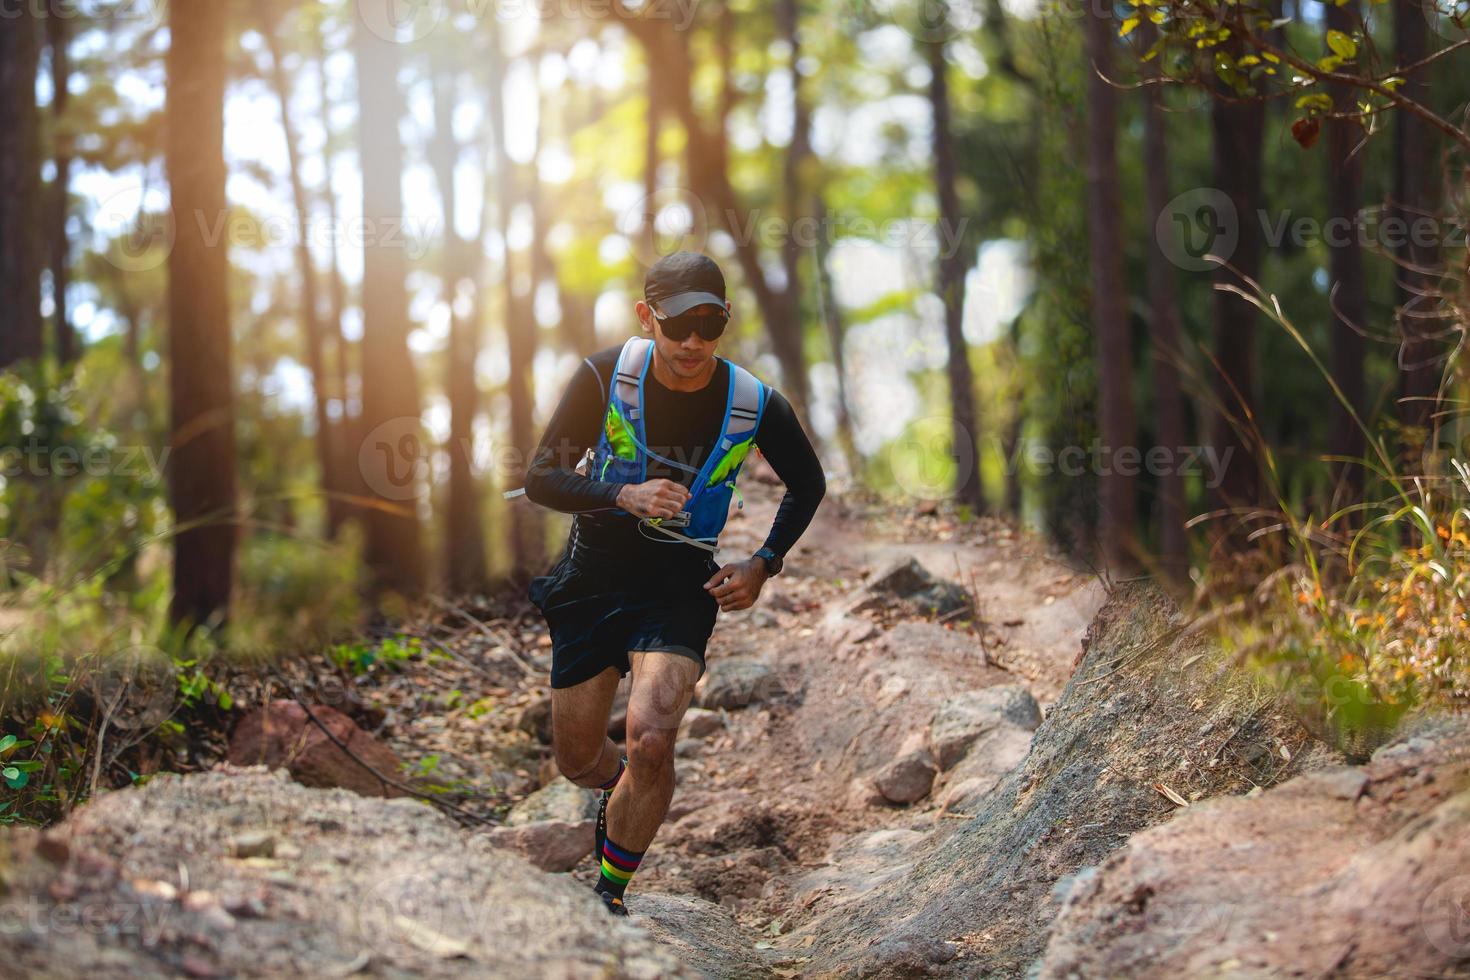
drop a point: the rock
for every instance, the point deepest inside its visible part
(551, 845)
(280, 735)
(559, 799)
(687, 748)
(701, 723)
(253, 844)
(1132, 715)
(1342, 872)
(989, 760)
(736, 682)
(907, 778)
(962, 720)
(901, 580)
(909, 586)
(395, 889)
(534, 717)
(705, 936)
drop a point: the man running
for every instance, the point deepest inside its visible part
(667, 425)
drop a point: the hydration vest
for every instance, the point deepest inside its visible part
(622, 452)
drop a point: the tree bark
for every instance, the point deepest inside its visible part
(1345, 269)
(20, 180)
(393, 451)
(311, 327)
(1164, 331)
(465, 566)
(58, 34)
(836, 332)
(708, 174)
(1116, 491)
(201, 384)
(1238, 129)
(1415, 201)
(952, 269)
(529, 538)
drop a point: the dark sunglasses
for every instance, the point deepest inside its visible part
(709, 326)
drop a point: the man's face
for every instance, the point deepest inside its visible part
(687, 358)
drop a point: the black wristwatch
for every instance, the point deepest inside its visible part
(772, 561)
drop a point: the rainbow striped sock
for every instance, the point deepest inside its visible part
(607, 786)
(618, 866)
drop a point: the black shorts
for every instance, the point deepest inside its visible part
(598, 614)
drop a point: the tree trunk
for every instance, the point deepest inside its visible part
(392, 454)
(201, 384)
(58, 33)
(836, 332)
(1116, 491)
(20, 180)
(1164, 331)
(348, 478)
(529, 538)
(1414, 179)
(952, 269)
(1345, 270)
(311, 328)
(1238, 129)
(465, 566)
(708, 176)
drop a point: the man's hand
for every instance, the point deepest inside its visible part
(656, 498)
(738, 584)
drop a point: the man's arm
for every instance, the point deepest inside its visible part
(551, 479)
(786, 447)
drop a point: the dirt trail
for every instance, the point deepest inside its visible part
(775, 817)
(888, 776)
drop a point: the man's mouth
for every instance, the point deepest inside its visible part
(688, 361)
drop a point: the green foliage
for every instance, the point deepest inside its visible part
(392, 653)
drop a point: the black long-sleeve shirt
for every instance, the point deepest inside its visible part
(680, 425)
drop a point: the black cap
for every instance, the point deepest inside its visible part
(680, 281)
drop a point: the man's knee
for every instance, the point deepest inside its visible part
(650, 748)
(577, 760)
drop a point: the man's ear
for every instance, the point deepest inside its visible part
(645, 316)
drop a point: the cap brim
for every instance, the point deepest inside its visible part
(684, 302)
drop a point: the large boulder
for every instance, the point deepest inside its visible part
(560, 799)
(143, 882)
(551, 845)
(736, 682)
(1347, 871)
(1152, 707)
(961, 720)
(281, 735)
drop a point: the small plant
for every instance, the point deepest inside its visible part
(359, 658)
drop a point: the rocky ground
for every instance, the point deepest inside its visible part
(931, 749)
